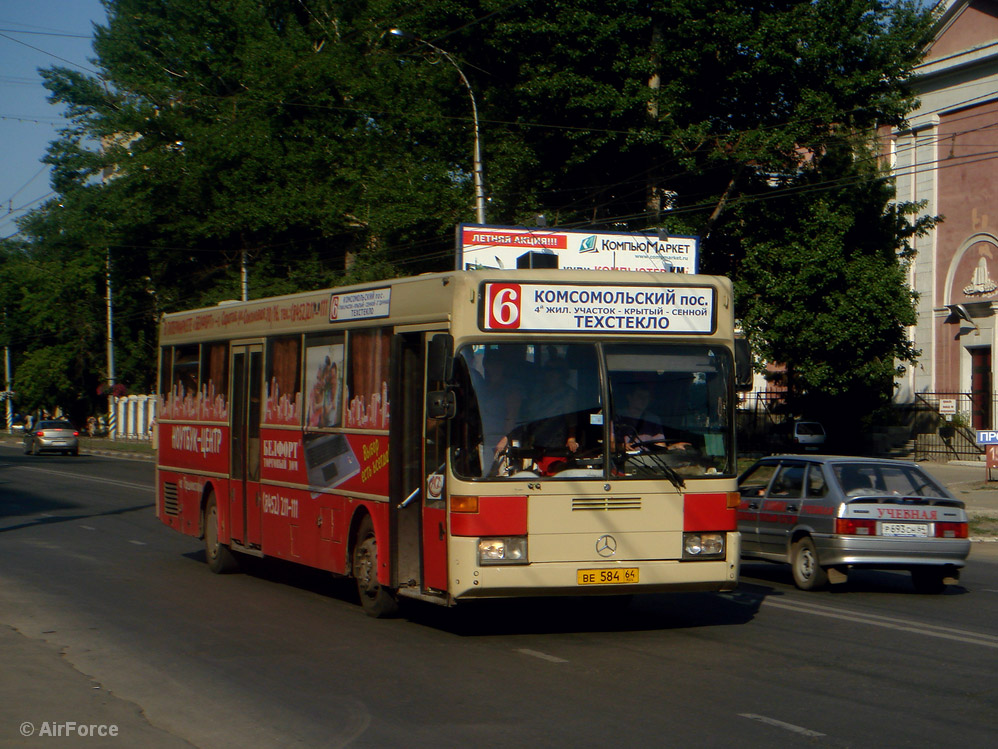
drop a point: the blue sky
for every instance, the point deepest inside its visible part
(35, 34)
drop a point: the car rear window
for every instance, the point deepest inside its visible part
(866, 479)
(55, 425)
(811, 428)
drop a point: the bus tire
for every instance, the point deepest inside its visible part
(807, 570)
(376, 600)
(220, 558)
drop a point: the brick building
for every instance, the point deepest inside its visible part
(949, 158)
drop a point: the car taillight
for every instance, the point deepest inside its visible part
(854, 527)
(951, 530)
(76, 434)
(40, 433)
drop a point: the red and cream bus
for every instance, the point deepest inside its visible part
(461, 435)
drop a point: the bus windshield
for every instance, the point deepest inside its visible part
(593, 410)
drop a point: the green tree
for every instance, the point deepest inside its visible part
(823, 286)
(300, 140)
(235, 130)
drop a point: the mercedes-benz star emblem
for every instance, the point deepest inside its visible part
(606, 546)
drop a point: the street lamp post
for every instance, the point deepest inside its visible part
(477, 172)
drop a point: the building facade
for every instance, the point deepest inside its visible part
(948, 158)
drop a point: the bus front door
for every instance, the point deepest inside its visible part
(245, 502)
(417, 470)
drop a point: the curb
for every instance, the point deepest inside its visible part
(124, 454)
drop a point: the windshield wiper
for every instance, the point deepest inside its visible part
(662, 465)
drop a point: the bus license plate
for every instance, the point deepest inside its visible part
(616, 576)
(904, 530)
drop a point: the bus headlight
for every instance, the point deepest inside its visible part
(503, 550)
(703, 545)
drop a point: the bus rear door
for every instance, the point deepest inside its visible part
(245, 502)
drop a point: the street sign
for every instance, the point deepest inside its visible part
(985, 437)
(947, 405)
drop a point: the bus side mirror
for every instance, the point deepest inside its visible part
(440, 358)
(441, 404)
(743, 364)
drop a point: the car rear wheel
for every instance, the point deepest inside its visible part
(929, 580)
(376, 599)
(807, 570)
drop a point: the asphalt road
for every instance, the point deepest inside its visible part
(109, 618)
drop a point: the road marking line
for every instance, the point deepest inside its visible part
(138, 543)
(542, 656)
(88, 527)
(780, 724)
(903, 625)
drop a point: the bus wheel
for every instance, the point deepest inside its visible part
(221, 560)
(376, 600)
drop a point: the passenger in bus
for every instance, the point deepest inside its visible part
(636, 427)
(552, 411)
(500, 399)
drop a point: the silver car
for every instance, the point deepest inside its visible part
(52, 436)
(825, 515)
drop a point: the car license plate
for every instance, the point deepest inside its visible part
(615, 576)
(58, 442)
(904, 530)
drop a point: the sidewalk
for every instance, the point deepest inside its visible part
(968, 481)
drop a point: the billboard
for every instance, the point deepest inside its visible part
(506, 247)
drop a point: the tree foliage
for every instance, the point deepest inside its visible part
(300, 138)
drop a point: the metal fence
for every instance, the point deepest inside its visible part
(917, 429)
(939, 438)
(134, 417)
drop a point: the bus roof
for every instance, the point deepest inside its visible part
(428, 298)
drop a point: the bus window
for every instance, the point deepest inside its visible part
(324, 381)
(184, 381)
(165, 372)
(283, 399)
(528, 410)
(214, 382)
(669, 408)
(367, 378)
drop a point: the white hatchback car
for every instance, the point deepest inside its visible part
(807, 435)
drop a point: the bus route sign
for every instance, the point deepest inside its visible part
(587, 308)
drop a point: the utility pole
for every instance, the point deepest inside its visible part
(244, 274)
(477, 170)
(8, 393)
(111, 418)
